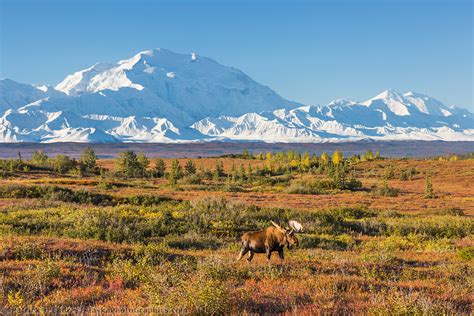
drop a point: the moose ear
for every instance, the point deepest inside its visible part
(297, 227)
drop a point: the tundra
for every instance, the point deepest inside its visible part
(270, 239)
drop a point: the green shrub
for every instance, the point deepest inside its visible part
(368, 226)
(432, 226)
(104, 185)
(321, 186)
(131, 274)
(411, 242)
(112, 225)
(38, 280)
(389, 172)
(195, 225)
(466, 253)
(192, 240)
(192, 179)
(453, 211)
(198, 289)
(390, 213)
(404, 175)
(283, 180)
(207, 296)
(217, 267)
(55, 193)
(63, 164)
(437, 245)
(144, 200)
(150, 254)
(311, 186)
(232, 187)
(390, 243)
(340, 242)
(354, 212)
(26, 250)
(385, 190)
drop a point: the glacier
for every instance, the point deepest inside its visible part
(161, 96)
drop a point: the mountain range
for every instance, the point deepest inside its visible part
(162, 96)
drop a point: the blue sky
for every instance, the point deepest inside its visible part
(308, 51)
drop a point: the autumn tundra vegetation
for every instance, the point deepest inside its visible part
(380, 235)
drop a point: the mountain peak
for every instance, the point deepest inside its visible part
(180, 86)
(341, 102)
(390, 99)
(388, 94)
(157, 57)
(79, 81)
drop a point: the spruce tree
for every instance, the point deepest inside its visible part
(88, 160)
(175, 173)
(160, 168)
(429, 192)
(127, 164)
(190, 168)
(142, 165)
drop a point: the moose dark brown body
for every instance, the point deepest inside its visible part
(267, 241)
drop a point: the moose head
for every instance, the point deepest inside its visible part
(289, 232)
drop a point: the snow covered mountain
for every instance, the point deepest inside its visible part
(162, 96)
(388, 116)
(14, 95)
(162, 83)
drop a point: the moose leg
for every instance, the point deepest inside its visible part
(280, 253)
(269, 253)
(250, 256)
(242, 252)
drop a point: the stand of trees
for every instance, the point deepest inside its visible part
(61, 164)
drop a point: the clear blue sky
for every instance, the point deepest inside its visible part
(308, 51)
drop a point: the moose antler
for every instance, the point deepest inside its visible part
(297, 227)
(278, 226)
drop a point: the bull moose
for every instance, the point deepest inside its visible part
(270, 239)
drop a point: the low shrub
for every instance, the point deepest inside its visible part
(354, 212)
(194, 225)
(283, 180)
(35, 282)
(233, 187)
(452, 211)
(105, 185)
(340, 242)
(129, 273)
(55, 193)
(197, 289)
(466, 253)
(385, 190)
(192, 179)
(193, 240)
(321, 186)
(311, 186)
(150, 254)
(143, 200)
(432, 226)
(411, 242)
